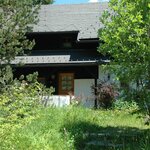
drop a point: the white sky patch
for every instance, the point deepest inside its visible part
(93, 1)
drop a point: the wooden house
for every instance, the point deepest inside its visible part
(65, 54)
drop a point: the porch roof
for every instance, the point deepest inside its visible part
(53, 60)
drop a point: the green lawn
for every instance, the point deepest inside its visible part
(74, 128)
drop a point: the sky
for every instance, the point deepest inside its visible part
(76, 1)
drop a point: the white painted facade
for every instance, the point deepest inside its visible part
(56, 100)
(83, 91)
(83, 86)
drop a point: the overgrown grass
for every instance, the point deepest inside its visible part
(66, 129)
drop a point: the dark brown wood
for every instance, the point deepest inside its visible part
(66, 84)
(96, 102)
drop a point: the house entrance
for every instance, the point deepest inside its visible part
(66, 83)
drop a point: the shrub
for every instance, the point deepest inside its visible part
(19, 103)
(124, 105)
(20, 99)
(105, 94)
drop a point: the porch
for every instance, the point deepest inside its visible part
(67, 74)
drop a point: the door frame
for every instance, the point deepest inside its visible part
(60, 92)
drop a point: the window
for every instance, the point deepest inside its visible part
(67, 42)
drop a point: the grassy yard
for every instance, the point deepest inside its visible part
(75, 128)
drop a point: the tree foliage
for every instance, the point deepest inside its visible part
(126, 38)
(16, 19)
(44, 2)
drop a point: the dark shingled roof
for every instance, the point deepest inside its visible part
(62, 57)
(75, 17)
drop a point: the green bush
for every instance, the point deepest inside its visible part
(19, 104)
(129, 106)
(18, 101)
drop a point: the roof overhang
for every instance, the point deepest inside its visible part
(54, 32)
(52, 60)
(88, 40)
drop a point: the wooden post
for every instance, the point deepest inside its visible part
(95, 104)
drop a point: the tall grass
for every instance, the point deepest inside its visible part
(64, 129)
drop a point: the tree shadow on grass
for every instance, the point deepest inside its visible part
(85, 133)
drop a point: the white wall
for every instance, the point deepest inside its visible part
(82, 87)
(83, 91)
(56, 100)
